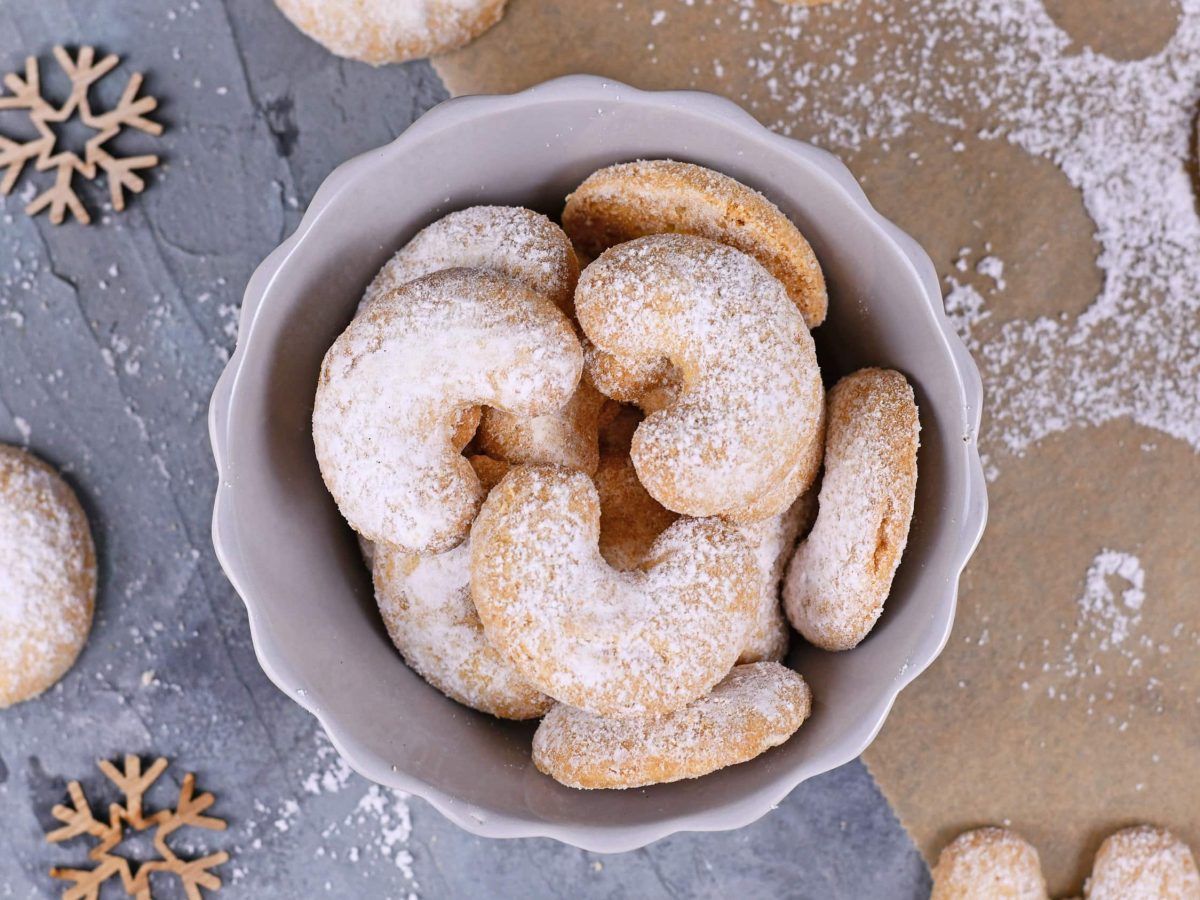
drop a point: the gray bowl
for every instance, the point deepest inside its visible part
(295, 563)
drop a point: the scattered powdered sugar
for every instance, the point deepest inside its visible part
(1121, 132)
(993, 268)
(1107, 647)
(376, 827)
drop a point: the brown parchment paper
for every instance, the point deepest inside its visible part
(1014, 724)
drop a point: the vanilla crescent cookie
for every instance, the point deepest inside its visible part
(47, 576)
(529, 248)
(391, 31)
(842, 572)
(754, 708)
(426, 605)
(1143, 863)
(394, 384)
(988, 864)
(631, 520)
(511, 240)
(642, 642)
(632, 200)
(750, 399)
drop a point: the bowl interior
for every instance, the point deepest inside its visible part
(315, 623)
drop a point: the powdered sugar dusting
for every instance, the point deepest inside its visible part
(395, 382)
(1109, 646)
(1119, 130)
(513, 241)
(754, 708)
(1143, 863)
(842, 573)
(47, 576)
(747, 362)
(426, 605)
(386, 32)
(615, 643)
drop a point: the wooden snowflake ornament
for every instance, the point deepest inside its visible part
(78, 820)
(43, 151)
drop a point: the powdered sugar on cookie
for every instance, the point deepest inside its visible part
(747, 363)
(47, 576)
(754, 708)
(615, 643)
(394, 384)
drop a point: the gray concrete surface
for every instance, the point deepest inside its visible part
(111, 338)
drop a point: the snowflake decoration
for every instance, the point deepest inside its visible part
(78, 820)
(83, 72)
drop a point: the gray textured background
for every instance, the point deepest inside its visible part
(111, 338)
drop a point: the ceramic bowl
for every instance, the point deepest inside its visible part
(294, 560)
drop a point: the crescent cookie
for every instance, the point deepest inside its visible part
(47, 576)
(426, 605)
(392, 31)
(659, 196)
(841, 574)
(754, 708)
(394, 384)
(528, 247)
(614, 643)
(630, 521)
(511, 240)
(988, 864)
(1143, 863)
(747, 364)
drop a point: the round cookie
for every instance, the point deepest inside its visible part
(751, 394)
(425, 603)
(387, 31)
(514, 241)
(988, 864)
(47, 576)
(632, 200)
(754, 708)
(1143, 863)
(842, 572)
(614, 643)
(394, 385)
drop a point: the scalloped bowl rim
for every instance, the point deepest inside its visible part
(488, 823)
